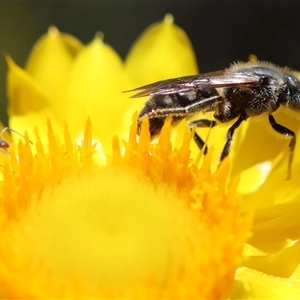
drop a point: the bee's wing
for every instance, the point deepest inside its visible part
(216, 79)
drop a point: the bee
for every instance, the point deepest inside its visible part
(242, 91)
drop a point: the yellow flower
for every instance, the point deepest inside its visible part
(135, 228)
(103, 213)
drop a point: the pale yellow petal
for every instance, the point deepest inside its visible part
(50, 63)
(96, 87)
(256, 142)
(282, 263)
(162, 51)
(257, 285)
(24, 93)
(28, 104)
(275, 226)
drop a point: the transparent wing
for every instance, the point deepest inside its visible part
(216, 79)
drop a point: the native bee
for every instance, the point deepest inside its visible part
(242, 91)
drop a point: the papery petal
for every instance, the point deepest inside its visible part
(286, 191)
(296, 274)
(96, 84)
(257, 142)
(258, 285)
(28, 105)
(50, 63)
(275, 226)
(24, 93)
(282, 263)
(252, 178)
(275, 248)
(273, 257)
(163, 51)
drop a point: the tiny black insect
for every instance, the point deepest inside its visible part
(242, 91)
(4, 145)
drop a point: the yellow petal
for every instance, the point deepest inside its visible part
(50, 63)
(282, 263)
(97, 81)
(257, 142)
(257, 285)
(24, 93)
(286, 191)
(296, 274)
(252, 178)
(274, 227)
(28, 104)
(163, 51)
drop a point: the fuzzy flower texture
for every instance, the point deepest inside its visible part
(88, 209)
